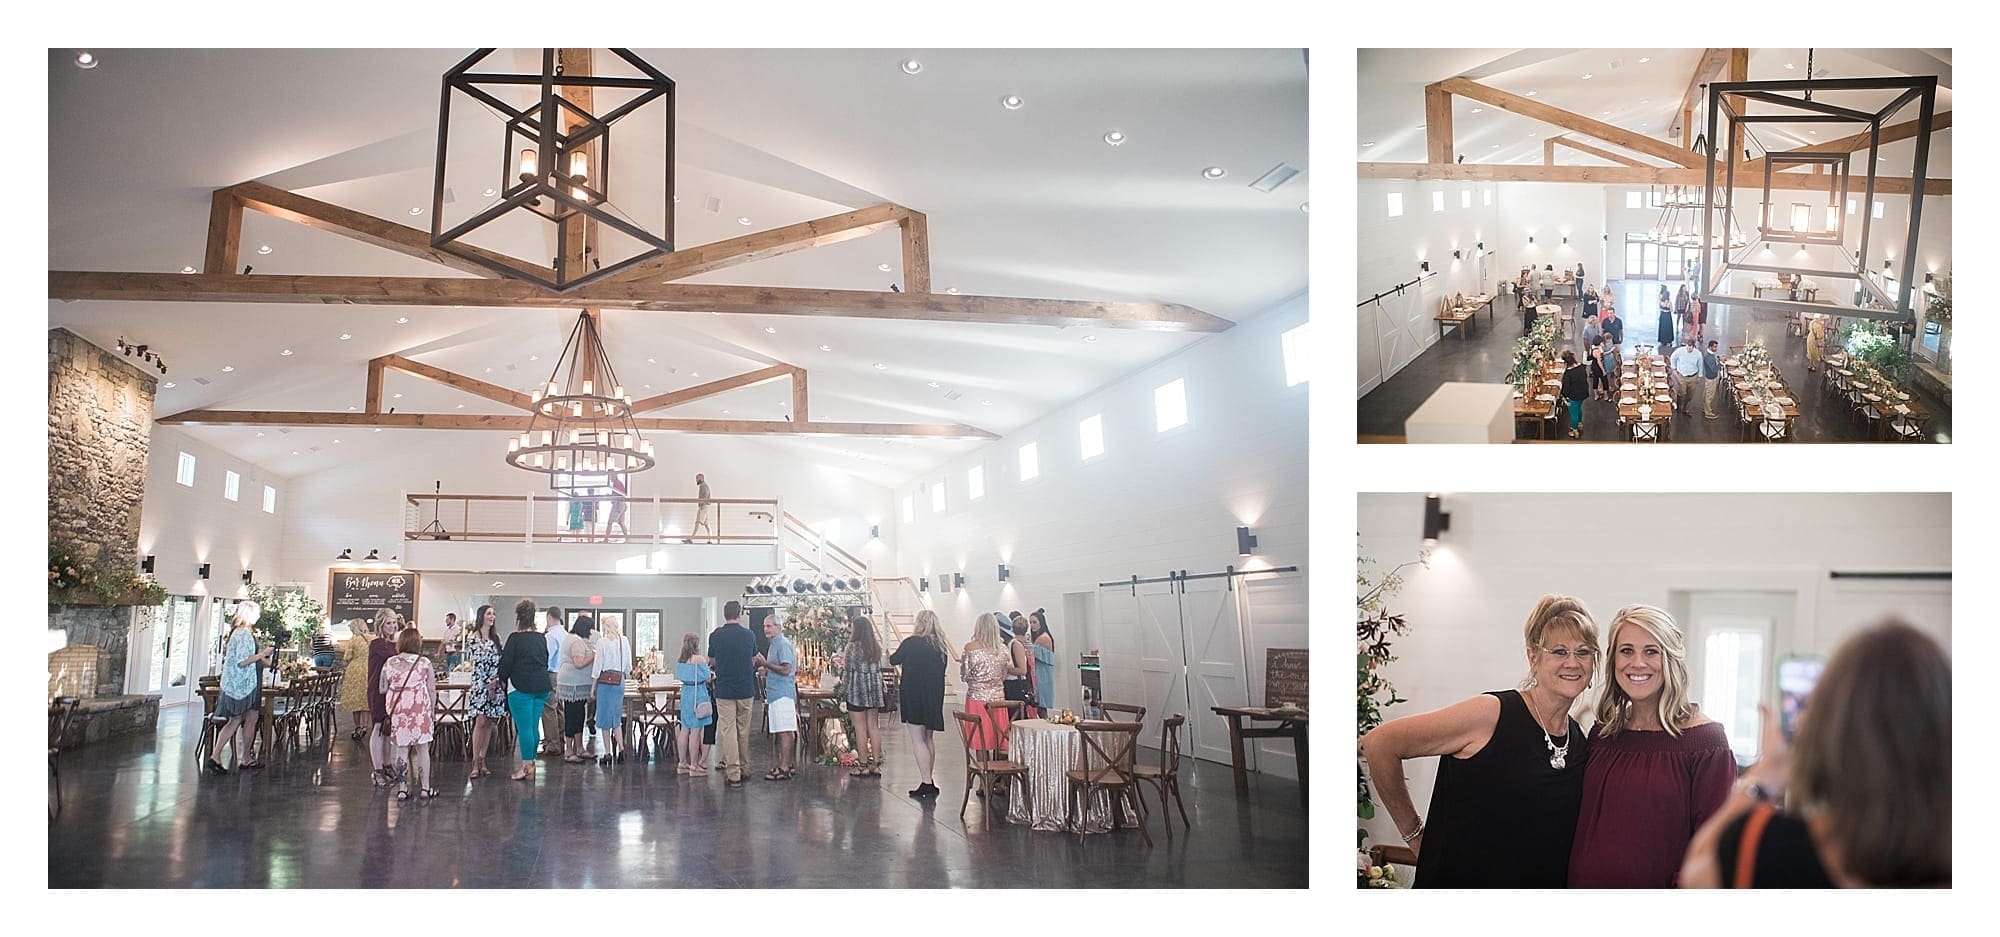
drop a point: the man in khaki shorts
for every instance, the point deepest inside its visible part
(781, 694)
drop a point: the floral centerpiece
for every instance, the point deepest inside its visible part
(1755, 357)
(74, 580)
(1877, 345)
(818, 625)
(290, 616)
(1375, 626)
(292, 668)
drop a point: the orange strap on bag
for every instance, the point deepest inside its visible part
(1746, 851)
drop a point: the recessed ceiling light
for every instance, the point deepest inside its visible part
(1214, 172)
(649, 387)
(188, 269)
(336, 442)
(1302, 207)
(1012, 102)
(460, 406)
(168, 384)
(85, 60)
(652, 361)
(1588, 76)
(534, 357)
(263, 248)
(350, 409)
(344, 336)
(378, 429)
(1090, 338)
(826, 348)
(986, 403)
(1115, 137)
(489, 370)
(287, 352)
(227, 367)
(882, 267)
(879, 366)
(1531, 94)
(912, 66)
(416, 209)
(932, 383)
(771, 329)
(743, 220)
(402, 320)
(725, 413)
(694, 373)
(1788, 65)
(1477, 109)
(399, 396)
(497, 583)
(1496, 146)
(1607, 113)
(1369, 143)
(953, 291)
(1644, 60)
(490, 192)
(1813, 133)
(295, 452)
(260, 432)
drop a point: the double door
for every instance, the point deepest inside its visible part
(171, 646)
(1189, 640)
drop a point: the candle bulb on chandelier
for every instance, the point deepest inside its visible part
(528, 167)
(579, 167)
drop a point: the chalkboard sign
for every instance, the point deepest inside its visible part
(361, 593)
(1285, 677)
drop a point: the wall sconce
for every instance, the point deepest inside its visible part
(146, 565)
(1003, 572)
(1531, 239)
(924, 584)
(1928, 278)
(1424, 265)
(374, 556)
(1246, 542)
(958, 580)
(248, 575)
(201, 572)
(1607, 236)
(1455, 255)
(1482, 245)
(875, 532)
(1885, 263)
(1565, 239)
(1436, 521)
(346, 556)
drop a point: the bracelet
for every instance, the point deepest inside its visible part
(1419, 831)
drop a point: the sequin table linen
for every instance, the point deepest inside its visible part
(1050, 750)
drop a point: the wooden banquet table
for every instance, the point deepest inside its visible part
(1462, 315)
(1050, 750)
(1904, 415)
(1540, 401)
(1760, 395)
(1642, 380)
(1289, 723)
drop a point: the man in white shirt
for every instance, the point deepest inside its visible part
(554, 631)
(1686, 363)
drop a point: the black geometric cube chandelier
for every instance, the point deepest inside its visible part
(1811, 217)
(553, 133)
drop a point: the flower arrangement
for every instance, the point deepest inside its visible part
(1877, 345)
(1938, 308)
(292, 668)
(73, 580)
(290, 616)
(1533, 350)
(1375, 626)
(1755, 357)
(820, 624)
(1374, 876)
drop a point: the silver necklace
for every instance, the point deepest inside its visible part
(1558, 754)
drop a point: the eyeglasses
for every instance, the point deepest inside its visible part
(1562, 654)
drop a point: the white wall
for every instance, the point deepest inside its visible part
(1398, 328)
(183, 527)
(1153, 502)
(1503, 551)
(1549, 212)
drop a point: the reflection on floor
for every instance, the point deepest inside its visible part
(1486, 354)
(136, 815)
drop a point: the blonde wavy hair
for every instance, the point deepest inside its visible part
(986, 634)
(928, 628)
(1615, 706)
(1556, 613)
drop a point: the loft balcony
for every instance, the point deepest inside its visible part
(547, 533)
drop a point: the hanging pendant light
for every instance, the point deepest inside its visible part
(585, 442)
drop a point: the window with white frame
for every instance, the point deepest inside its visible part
(1031, 463)
(1395, 204)
(1878, 210)
(975, 483)
(1090, 436)
(1487, 194)
(1170, 405)
(270, 500)
(1632, 199)
(1465, 198)
(1294, 343)
(1437, 201)
(230, 483)
(937, 498)
(909, 508)
(184, 473)
(1851, 205)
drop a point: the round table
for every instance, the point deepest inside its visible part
(1050, 750)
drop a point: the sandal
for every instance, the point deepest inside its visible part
(428, 793)
(402, 795)
(775, 775)
(357, 733)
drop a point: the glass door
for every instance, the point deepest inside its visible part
(646, 624)
(170, 672)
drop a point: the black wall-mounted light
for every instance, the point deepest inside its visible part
(346, 555)
(1424, 265)
(924, 584)
(958, 580)
(146, 565)
(1565, 239)
(1482, 245)
(1455, 255)
(201, 572)
(248, 575)
(1436, 521)
(374, 556)
(1531, 239)
(1885, 263)
(1003, 572)
(875, 532)
(1246, 542)
(1930, 277)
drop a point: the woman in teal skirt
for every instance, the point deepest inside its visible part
(524, 663)
(693, 672)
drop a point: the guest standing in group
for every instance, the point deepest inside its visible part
(861, 681)
(1815, 342)
(1020, 665)
(454, 642)
(1861, 798)
(984, 669)
(1681, 307)
(697, 707)
(1590, 304)
(1045, 660)
(922, 658)
(1711, 375)
(1504, 807)
(487, 699)
(1548, 282)
(354, 677)
(524, 666)
(1593, 340)
(1575, 389)
(553, 634)
(1658, 767)
(1666, 317)
(608, 671)
(1614, 327)
(1577, 284)
(379, 652)
(730, 649)
(573, 683)
(1686, 365)
(779, 665)
(323, 646)
(239, 696)
(410, 686)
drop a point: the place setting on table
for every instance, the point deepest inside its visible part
(1645, 403)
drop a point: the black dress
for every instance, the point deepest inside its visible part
(1505, 818)
(922, 684)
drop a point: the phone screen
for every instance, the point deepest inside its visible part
(1796, 677)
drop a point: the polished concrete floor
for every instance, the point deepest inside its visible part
(1486, 354)
(137, 815)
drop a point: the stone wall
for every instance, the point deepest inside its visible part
(100, 427)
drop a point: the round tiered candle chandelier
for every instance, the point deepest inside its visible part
(1679, 224)
(580, 432)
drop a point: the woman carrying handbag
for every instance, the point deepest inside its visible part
(410, 686)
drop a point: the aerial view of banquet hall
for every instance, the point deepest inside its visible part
(1654, 245)
(678, 468)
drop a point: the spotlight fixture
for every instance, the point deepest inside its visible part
(875, 532)
(958, 580)
(84, 59)
(1565, 239)
(1531, 239)
(1246, 542)
(201, 572)
(1012, 102)
(784, 589)
(1424, 265)
(801, 586)
(1455, 255)
(924, 584)
(146, 565)
(1482, 245)
(248, 575)
(1003, 572)
(1115, 137)
(1214, 172)
(374, 556)
(346, 555)
(1436, 521)
(1930, 277)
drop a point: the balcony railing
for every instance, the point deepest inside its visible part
(546, 519)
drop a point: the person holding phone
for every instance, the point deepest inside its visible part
(1503, 811)
(1658, 767)
(1861, 798)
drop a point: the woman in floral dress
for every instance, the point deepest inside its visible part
(488, 699)
(409, 688)
(354, 676)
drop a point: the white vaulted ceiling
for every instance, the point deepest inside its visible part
(1029, 202)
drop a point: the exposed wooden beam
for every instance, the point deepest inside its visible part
(670, 297)
(710, 389)
(225, 233)
(470, 385)
(1607, 175)
(1708, 69)
(1437, 123)
(1739, 65)
(1858, 142)
(1528, 107)
(916, 253)
(762, 245)
(1551, 143)
(799, 395)
(580, 229)
(367, 229)
(512, 423)
(374, 398)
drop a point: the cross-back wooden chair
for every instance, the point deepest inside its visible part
(452, 729)
(1108, 751)
(1138, 713)
(657, 717)
(1166, 776)
(61, 710)
(982, 766)
(210, 691)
